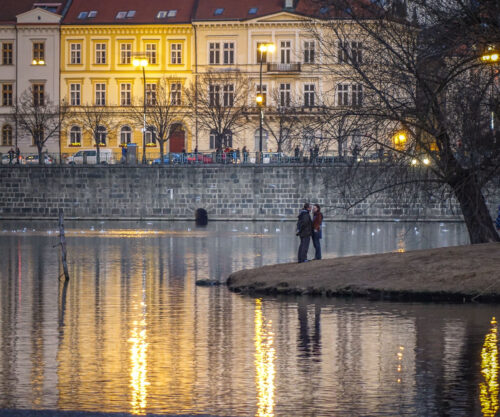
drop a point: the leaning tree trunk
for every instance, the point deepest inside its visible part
(162, 143)
(39, 147)
(474, 209)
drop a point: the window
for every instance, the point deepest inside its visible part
(150, 136)
(285, 95)
(7, 48)
(151, 53)
(151, 94)
(82, 15)
(228, 52)
(75, 53)
(100, 94)
(176, 53)
(125, 53)
(218, 11)
(75, 136)
(222, 141)
(309, 52)
(125, 94)
(214, 95)
(342, 94)
(309, 93)
(7, 95)
(261, 56)
(101, 135)
(100, 53)
(125, 135)
(285, 50)
(162, 14)
(38, 94)
(39, 53)
(172, 13)
(92, 13)
(175, 94)
(357, 95)
(252, 10)
(7, 135)
(214, 53)
(263, 92)
(121, 15)
(130, 13)
(265, 136)
(342, 52)
(357, 52)
(228, 95)
(75, 91)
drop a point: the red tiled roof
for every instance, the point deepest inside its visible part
(146, 11)
(11, 8)
(239, 9)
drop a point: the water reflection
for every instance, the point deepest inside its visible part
(489, 370)
(264, 362)
(132, 333)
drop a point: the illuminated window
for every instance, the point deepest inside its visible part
(39, 52)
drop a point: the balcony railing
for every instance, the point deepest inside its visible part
(295, 67)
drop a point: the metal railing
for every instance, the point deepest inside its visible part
(291, 67)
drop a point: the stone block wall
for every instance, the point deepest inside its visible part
(226, 192)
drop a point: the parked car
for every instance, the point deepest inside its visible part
(89, 156)
(34, 160)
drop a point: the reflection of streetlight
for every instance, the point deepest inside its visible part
(263, 48)
(399, 140)
(143, 63)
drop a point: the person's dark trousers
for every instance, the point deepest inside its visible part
(303, 248)
(317, 244)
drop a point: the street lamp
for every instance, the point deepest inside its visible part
(491, 56)
(263, 48)
(143, 63)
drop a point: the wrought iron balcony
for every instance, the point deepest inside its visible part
(280, 68)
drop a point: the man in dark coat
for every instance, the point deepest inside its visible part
(304, 231)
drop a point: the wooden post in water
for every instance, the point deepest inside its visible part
(63, 245)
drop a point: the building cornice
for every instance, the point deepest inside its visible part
(251, 25)
(127, 30)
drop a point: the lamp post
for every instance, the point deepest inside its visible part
(143, 63)
(491, 56)
(265, 47)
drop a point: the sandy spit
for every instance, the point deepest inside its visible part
(458, 273)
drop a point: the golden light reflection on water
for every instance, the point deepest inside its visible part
(264, 363)
(139, 361)
(488, 389)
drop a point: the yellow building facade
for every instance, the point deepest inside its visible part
(98, 74)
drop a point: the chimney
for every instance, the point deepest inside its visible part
(288, 4)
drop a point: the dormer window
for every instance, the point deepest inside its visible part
(92, 13)
(172, 13)
(323, 10)
(219, 11)
(161, 14)
(130, 13)
(121, 15)
(83, 15)
(252, 10)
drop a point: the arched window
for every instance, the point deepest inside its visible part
(7, 135)
(101, 135)
(125, 135)
(75, 136)
(265, 136)
(150, 136)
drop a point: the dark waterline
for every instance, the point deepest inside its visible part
(132, 333)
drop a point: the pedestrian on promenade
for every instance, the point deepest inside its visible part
(245, 154)
(304, 231)
(124, 154)
(11, 154)
(316, 234)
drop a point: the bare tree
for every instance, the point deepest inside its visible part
(37, 115)
(163, 110)
(97, 121)
(421, 93)
(221, 99)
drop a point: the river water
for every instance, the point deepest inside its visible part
(132, 333)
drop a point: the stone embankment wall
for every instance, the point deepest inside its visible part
(226, 192)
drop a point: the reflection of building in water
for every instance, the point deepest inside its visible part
(488, 394)
(264, 362)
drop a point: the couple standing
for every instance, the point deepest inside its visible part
(307, 228)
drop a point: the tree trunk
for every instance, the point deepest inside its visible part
(474, 209)
(98, 151)
(162, 143)
(40, 156)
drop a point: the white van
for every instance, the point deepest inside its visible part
(89, 156)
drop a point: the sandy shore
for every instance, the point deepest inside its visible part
(459, 273)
